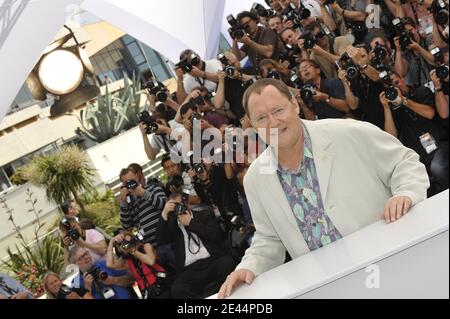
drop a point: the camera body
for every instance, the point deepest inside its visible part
(149, 121)
(352, 70)
(359, 29)
(176, 182)
(248, 83)
(230, 70)
(273, 74)
(97, 273)
(289, 53)
(381, 54)
(131, 184)
(307, 92)
(180, 208)
(157, 89)
(295, 80)
(132, 243)
(390, 90)
(236, 31)
(405, 38)
(440, 12)
(71, 232)
(442, 70)
(259, 10)
(310, 40)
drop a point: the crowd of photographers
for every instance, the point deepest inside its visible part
(181, 239)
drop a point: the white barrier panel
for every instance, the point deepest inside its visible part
(405, 259)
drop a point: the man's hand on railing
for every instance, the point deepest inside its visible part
(235, 279)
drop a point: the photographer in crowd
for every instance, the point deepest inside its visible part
(141, 260)
(140, 205)
(258, 42)
(192, 71)
(325, 97)
(98, 279)
(410, 116)
(74, 236)
(231, 87)
(55, 289)
(12, 289)
(201, 257)
(69, 208)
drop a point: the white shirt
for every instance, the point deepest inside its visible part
(190, 82)
(190, 257)
(157, 142)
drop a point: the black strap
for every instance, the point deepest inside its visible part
(198, 79)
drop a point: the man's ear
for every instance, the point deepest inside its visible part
(295, 103)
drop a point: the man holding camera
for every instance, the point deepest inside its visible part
(326, 97)
(102, 282)
(192, 71)
(298, 190)
(12, 289)
(258, 42)
(140, 205)
(411, 118)
(201, 258)
(74, 236)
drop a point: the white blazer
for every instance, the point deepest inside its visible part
(359, 167)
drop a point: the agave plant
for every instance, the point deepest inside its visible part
(113, 112)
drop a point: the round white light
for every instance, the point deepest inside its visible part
(61, 71)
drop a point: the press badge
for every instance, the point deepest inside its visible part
(108, 293)
(428, 142)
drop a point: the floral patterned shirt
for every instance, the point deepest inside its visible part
(303, 194)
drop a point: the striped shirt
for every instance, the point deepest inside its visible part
(144, 212)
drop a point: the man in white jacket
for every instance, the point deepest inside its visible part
(329, 178)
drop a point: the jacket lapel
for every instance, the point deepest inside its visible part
(323, 155)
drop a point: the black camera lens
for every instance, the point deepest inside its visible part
(307, 92)
(442, 72)
(131, 184)
(229, 70)
(391, 93)
(73, 234)
(239, 33)
(97, 273)
(351, 72)
(161, 96)
(199, 100)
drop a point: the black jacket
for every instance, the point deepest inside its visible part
(203, 224)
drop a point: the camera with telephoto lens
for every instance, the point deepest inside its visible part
(307, 92)
(71, 232)
(440, 12)
(404, 37)
(390, 90)
(273, 74)
(236, 31)
(290, 53)
(442, 71)
(259, 10)
(351, 69)
(157, 89)
(248, 83)
(310, 40)
(131, 241)
(97, 273)
(149, 121)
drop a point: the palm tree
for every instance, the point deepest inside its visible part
(63, 174)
